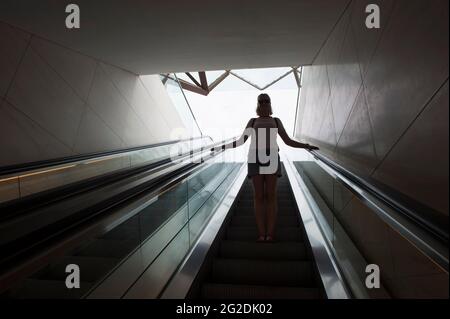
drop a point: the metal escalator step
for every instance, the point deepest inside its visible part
(249, 211)
(48, 289)
(280, 202)
(282, 188)
(262, 272)
(267, 251)
(91, 268)
(240, 220)
(249, 195)
(282, 196)
(227, 291)
(282, 185)
(250, 233)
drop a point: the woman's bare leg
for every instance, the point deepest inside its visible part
(258, 198)
(271, 189)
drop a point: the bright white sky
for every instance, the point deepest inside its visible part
(226, 110)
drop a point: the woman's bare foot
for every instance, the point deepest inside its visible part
(261, 238)
(269, 238)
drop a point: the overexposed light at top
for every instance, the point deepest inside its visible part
(227, 109)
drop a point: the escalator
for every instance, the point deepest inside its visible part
(319, 252)
(100, 254)
(245, 269)
(104, 221)
(186, 229)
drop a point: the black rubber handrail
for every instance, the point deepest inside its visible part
(12, 169)
(31, 202)
(413, 211)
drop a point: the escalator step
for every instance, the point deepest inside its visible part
(282, 196)
(249, 211)
(281, 204)
(48, 289)
(226, 291)
(267, 251)
(240, 220)
(250, 233)
(280, 189)
(262, 272)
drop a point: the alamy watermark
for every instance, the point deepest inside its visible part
(373, 17)
(263, 148)
(73, 17)
(373, 277)
(73, 279)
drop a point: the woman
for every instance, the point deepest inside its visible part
(258, 169)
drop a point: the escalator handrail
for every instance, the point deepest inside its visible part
(428, 227)
(64, 191)
(16, 168)
(38, 249)
(109, 204)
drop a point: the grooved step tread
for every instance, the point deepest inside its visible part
(266, 251)
(227, 291)
(282, 211)
(262, 272)
(280, 202)
(280, 189)
(250, 234)
(281, 205)
(245, 269)
(242, 220)
(249, 196)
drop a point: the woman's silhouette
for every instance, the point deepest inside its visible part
(258, 171)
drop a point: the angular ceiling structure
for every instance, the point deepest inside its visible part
(198, 82)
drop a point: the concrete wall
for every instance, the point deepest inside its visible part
(56, 102)
(376, 100)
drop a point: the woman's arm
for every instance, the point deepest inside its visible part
(242, 139)
(290, 142)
